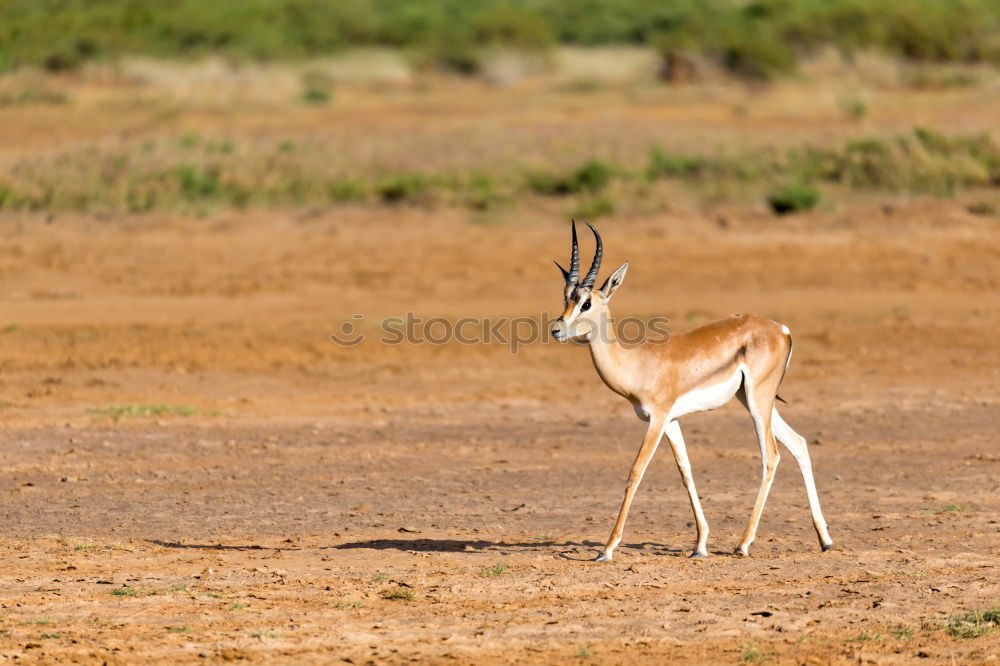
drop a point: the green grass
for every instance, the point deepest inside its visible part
(191, 173)
(40, 621)
(483, 192)
(178, 630)
(895, 632)
(32, 96)
(947, 508)
(346, 191)
(343, 605)
(264, 634)
(973, 624)
(854, 108)
(584, 652)
(123, 592)
(52, 635)
(667, 165)
(237, 606)
(542, 537)
(902, 632)
(750, 652)
(116, 412)
(498, 569)
(398, 594)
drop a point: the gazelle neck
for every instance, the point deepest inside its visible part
(612, 360)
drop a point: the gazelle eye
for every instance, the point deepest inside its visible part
(585, 306)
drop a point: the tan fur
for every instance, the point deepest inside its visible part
(657, 377)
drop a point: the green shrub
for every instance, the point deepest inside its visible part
(317, 88)
(510, 26)
(6, 196)
(591, 176)
(543, 182)
(793, 198)
(666, 165)
(595, 207)
(197, 183)
(400, 187)
(755, 53)
(448, 47)
(346, 190)
(854, 108)
(482, 192)
(190, 140)
(139, 200)
(978, 208)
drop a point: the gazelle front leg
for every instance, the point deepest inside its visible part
(673, 430)
(646, 451)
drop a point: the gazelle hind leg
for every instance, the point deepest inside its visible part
(759, 402)
(676, 439)
(796, 445)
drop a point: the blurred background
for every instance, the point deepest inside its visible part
(191, 187)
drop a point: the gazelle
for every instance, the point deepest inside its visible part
(742, 355)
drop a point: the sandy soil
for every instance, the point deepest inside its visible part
(319, 478)
(443, 503)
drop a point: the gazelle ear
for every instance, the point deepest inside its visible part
(614, 281)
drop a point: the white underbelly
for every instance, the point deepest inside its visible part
(709, 397)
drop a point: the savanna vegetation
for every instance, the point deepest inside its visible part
(196, 173)
(757, 39)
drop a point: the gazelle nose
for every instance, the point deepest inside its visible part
(557, 328)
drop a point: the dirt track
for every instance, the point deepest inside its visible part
(318, 478)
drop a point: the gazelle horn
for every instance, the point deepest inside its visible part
(595, 267)
(572, 276)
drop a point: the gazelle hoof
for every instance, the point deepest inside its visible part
(826, 547)
(697, 554)
(603, 557)
(742, 551)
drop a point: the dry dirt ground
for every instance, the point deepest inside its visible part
(443, 503)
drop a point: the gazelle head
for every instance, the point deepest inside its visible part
(585, 308)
